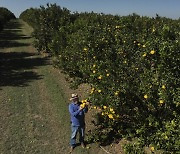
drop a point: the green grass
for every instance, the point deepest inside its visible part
(34, 115)
(30, 113)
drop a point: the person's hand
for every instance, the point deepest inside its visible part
(82, 106)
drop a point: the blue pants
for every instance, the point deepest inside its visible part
(75, 130)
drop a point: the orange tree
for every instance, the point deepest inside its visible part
(46, 22)
(132, 64)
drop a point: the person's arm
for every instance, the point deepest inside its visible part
(72, 112)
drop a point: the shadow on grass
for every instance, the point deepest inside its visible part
(9, 44)
(16, 68)
(10, 34)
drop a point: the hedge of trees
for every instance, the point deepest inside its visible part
(5, 16)
(131, 63)
(46, 22)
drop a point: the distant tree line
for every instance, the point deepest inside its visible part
(5, 16)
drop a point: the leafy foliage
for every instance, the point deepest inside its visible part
(44, 27)
(132, 64)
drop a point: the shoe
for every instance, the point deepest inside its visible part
(83, 145)
(71, 149)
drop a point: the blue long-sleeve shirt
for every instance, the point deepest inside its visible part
(77, 116)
